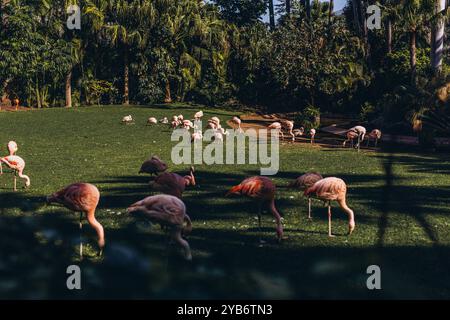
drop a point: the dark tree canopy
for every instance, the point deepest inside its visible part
(242, 12)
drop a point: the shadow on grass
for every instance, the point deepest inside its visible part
(227, 264)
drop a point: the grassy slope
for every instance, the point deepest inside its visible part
(410, 241)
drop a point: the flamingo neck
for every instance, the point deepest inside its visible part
(277, 216)
(351, 216)
(274, 210)
(97, 227)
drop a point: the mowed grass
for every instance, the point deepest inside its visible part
(402, 224)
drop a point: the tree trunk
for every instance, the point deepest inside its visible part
(38, 97)
(437, 39)
(271, 15)
(330, 11)
(412, 54)
(362, 8)
(168, 98)
(5, 86)
(356, 16)
(126, 76)
(389, 35)
(308, 9)
(288, 7)
(69, 89)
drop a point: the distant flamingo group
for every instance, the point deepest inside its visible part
(288, 126)
(359, 133)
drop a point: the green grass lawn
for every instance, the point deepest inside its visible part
(403, 228)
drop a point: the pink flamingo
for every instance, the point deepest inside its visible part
(299, 132)
(83, 198)
(312, 133)
(154, 165)
(198, 116)
(15, 163)
(152, 120)
(351, 136)
(127, 119)
(187, 124)
(289, 126)
(304, 182)
(164, 120)
(170, 213)
(198, 121)
(329, 189)
(237, 122)
(214, 123)
(172, 183)
(262, 190)
(176, 121)
(277, 127)
(211, 125)
(218, 136)
(197, 136)
(361, 131)
(375, 135)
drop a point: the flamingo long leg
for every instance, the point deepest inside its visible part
(309, 208)
(168, 237)
(176, 235)
(259, 216)
(329, 220)
(81, 236)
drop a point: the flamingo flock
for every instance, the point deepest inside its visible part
(168, 209)
(359, 133)
(288, 126)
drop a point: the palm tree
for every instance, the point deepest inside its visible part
(122, 25)
(389, 9)
(330, 11)
(437, 43)
(414, 15)
(75, 58)
(390, 12)
(288, 7)
(196, 36)
(356, 16)
(271, 14)
(308, 9)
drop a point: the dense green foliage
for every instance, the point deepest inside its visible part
(217, 52)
